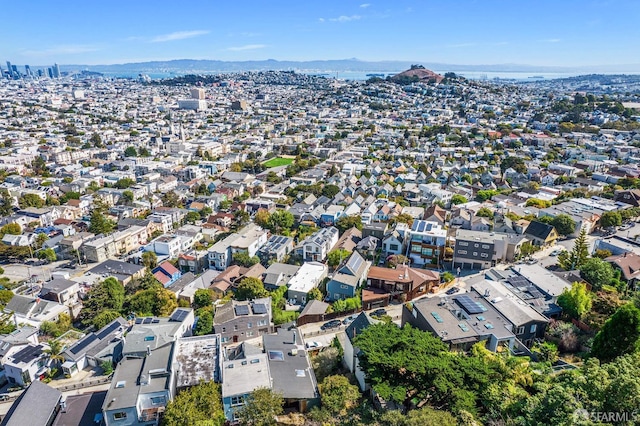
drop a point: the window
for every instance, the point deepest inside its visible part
(237, 400)
(463, 243)
(427, 251)
(484, 255)
(476, 245)
(157, 400)
(344, 286)
(485, 246)
(235, 327)
(262, 322)
(393, 247)
(224, 340)
(520, 330)
(224, 329)
(533, 328)
(249, 324)
(249, 333)
(475, 253)
(462, 252)
(416, 248)
(120, 416)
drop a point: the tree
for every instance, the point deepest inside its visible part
(335, 257)
(458, 199)
(131, 152)
(11, 229)
(610, 219)
(620, 334)
(30, 200)
(515, 163)
(485, 212)
(242, 258)
(348, 222)
(124, 183)
(337, 395)
(262, 218)
(330, 191)
(485, 194)
(564, 224)
(597, 272)
(128, 196)
(574, 259)
(250, 288)
(281, 220)
(99, 224)
(47, 254)
(103, 318)
(538, 203)
(6, 203)
(200, 404)
(192, 217)
(171, 199)
(204, 324)
(575, 302)
(424, 416)
(261, 408)
(96, 140)
(149, 259)
(314, 294)
(55, 352)
(202, 298)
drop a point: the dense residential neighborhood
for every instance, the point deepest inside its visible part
(309, 250)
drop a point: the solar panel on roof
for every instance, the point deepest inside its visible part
(470, 305)
(155, 321)
(27, 354)
(75, 349)
(354, 262)
(147, 320)
(241, 310)
(259, 308)
(421, 226)
(138, 320)
(179, 315)
(110, 329)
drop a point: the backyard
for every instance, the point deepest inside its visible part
(278, 161)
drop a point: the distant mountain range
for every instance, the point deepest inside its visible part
(182, 66)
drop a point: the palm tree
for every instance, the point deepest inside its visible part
(55, 352)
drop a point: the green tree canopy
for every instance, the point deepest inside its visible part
(281, 220)
(330, 191)
(597, 272)
(337, 395)
(6, 202)
(11, 229)
(131, 152)
(250, 288)
(609, 219)
(575, 302)
(205, 323)
(99, 224)
(458, 199)
(30, 200)
(335, 257)
(200, 404)
(202, 298)
(149, 259)
(348, 222)
(574, 259)
(242, 258)
(620, 334)
(124, 183)
(261, 408)
(564, 224)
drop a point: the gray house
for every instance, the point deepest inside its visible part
(238, 321)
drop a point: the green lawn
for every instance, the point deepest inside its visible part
(278, 161)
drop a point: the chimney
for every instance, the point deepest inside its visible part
(148, 350)
(486, 293)
(294, 337)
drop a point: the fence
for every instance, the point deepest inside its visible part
(87, 384)
(335, 329)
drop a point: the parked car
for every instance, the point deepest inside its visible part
(555, 252)
(314, 345)
(378, 313)
(453, 290)
(348, 320)
(4, 397)
(330, 324)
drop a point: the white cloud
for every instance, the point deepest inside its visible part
(61, 50)
(179, 35)
(551, 40)
(246, 47)
(320, 19)
(365, 5)
(345, 18)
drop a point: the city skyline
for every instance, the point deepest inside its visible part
(545, 33)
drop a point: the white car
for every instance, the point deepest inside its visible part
(314, 345)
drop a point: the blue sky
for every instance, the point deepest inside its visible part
(537, 32)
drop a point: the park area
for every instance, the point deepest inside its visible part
(278, 161)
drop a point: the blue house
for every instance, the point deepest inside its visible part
(331, 215)
(166, 273)
(348, 277)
